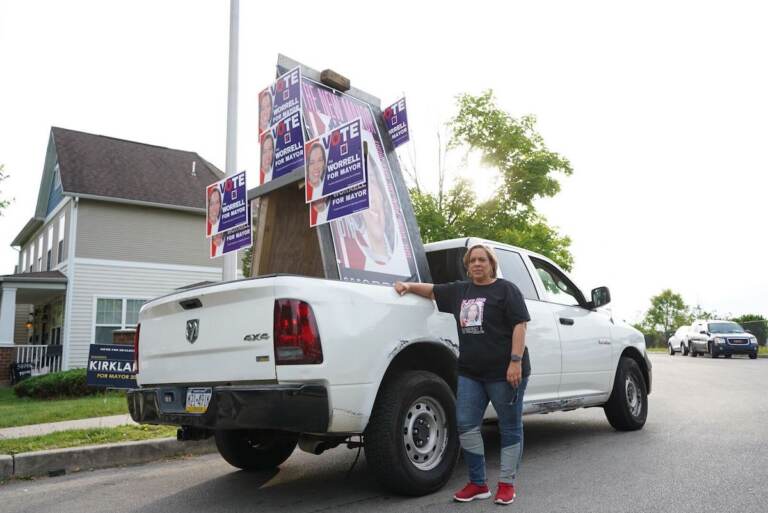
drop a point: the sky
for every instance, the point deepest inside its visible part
(660, 107)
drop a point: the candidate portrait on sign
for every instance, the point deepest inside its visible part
(214, 209)
(267, 157)
(265, 110)
(217, 245)
(317, 165)
(318, 211)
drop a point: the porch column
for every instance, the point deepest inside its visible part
(7, 315)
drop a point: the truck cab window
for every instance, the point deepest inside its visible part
(513, 269)
(446, 265)
(558, 288)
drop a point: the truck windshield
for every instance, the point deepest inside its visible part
(725, 327)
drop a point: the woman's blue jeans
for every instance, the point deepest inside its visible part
(471, 402)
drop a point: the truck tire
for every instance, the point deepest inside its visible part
(627, 408)
(255, 449)
(411, 442)
(671, 351)
(684, 349)
(753, 356)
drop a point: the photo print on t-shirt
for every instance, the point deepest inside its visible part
(471, 317)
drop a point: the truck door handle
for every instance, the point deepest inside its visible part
(566, 321)
(604, 341)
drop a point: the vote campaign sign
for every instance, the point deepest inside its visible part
(396, 121)
(226, 205)
(339, 205)
(111, 366)
(280, 99)
(334, 161)
(233, 240)
(282, 148)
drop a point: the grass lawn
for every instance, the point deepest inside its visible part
(16, 411)
(78, 437)
(656, 349)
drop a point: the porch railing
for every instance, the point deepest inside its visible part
(44, 358)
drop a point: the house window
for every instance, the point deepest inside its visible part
(49, 247)
(115, 314)
(60, 249)
(40, 253)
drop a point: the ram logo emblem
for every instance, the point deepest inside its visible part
(193, 330)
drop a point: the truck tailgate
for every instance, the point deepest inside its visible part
(216, 334)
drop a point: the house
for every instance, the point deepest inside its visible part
(116, 223)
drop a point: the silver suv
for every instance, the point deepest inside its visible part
(717, 338)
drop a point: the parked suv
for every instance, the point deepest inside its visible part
(717, 338)
(678, 343)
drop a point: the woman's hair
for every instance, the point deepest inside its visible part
(491, 257)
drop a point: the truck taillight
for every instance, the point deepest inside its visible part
(136, 348)
(297, 340)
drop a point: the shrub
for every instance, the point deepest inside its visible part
(69, 383)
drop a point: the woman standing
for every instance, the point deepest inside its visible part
(493, 365)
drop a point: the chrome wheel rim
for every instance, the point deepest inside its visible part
(425, 433)
(633, 395)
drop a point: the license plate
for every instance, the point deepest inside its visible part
(198, 399)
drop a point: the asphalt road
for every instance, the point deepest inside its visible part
(703, 450)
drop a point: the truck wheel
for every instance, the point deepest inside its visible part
(627, 408)
(671, 351)
(255, 449)
(411, 442)
(753, 356)
(684, 349)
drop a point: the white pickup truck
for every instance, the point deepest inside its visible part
(266, 363)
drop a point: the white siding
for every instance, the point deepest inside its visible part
(92, 281)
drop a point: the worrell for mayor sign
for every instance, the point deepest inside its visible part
(111, 366)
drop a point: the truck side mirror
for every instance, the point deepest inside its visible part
(703, 332)
(600, 296)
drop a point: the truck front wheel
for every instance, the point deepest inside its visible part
(411, 442)
(255, 449)
(627, 408)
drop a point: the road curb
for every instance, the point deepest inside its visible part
(73, 459)
(6, 467)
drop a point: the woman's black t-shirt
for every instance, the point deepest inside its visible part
(485, 316)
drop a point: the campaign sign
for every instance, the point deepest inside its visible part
(226, 204)
(282, 148)
(280, 100)
(340, 205)
(396, 121)
(111, 366)
(233, 240)
(335, 161)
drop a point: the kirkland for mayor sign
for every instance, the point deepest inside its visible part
(334, 161)
(396, 121)
(282, 148)
(111, 366)
(226, 205)
(280, 99)
(233, 240)
(339, 205)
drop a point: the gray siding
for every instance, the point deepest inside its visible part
(92, 281)
(113, 231)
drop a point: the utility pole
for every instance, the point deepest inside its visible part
(230, 259)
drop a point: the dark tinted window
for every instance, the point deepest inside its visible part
(513, 269)
(446, 265)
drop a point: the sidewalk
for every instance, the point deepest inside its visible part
(52, 427)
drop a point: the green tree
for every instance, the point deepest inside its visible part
(3, 203)
(755, 324)
(668, 312)
(526, 168)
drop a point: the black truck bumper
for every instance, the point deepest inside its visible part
(298, 408)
